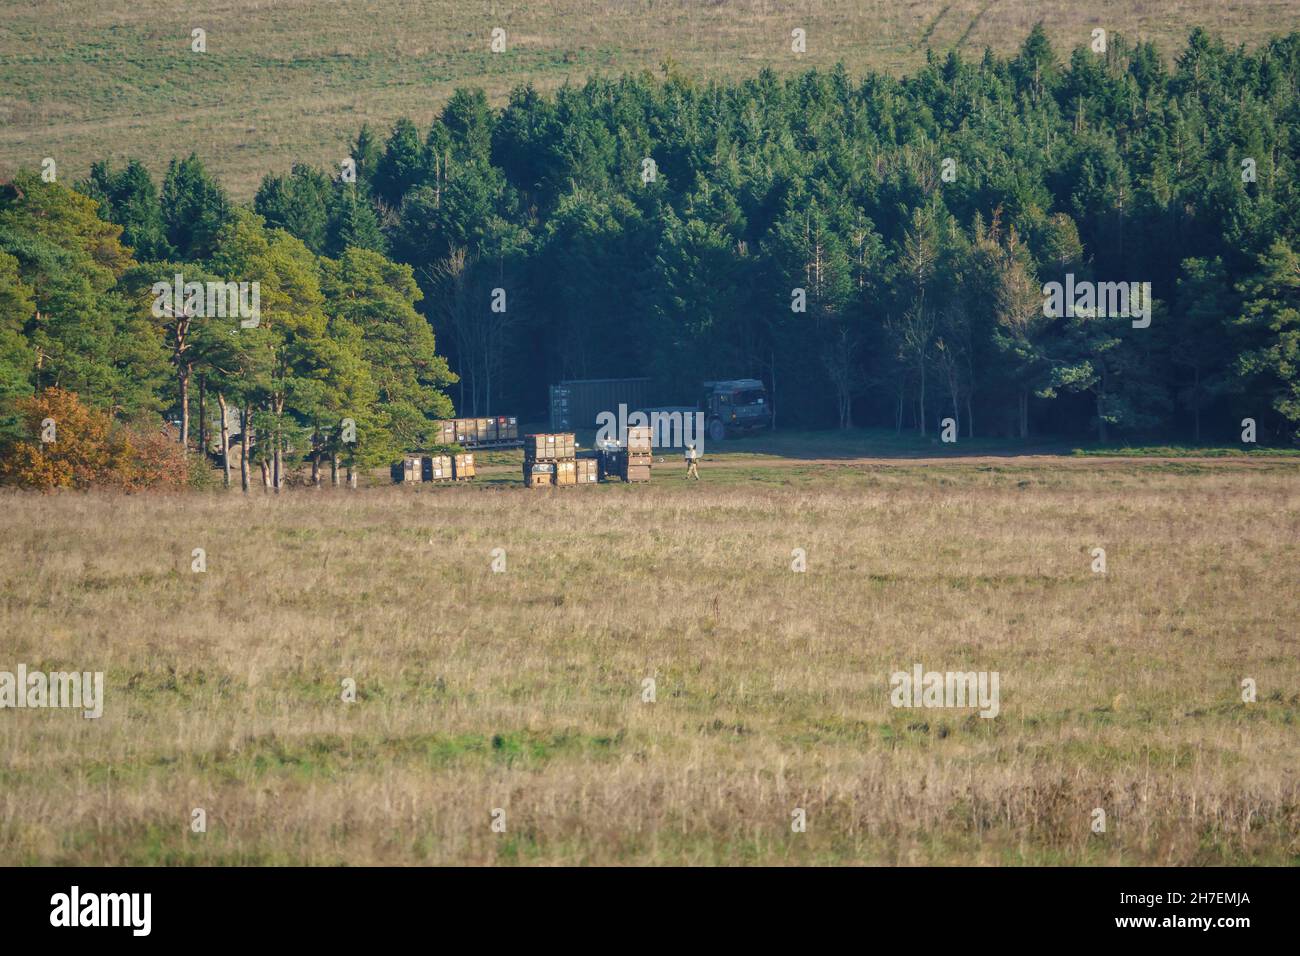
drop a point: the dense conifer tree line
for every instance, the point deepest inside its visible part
(875, 249)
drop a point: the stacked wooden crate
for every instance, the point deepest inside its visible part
(549, 459)
(409, 470)
(539, 474)
(640, 449)
(417, 469)
(444, 433)
(414, 470)
(462, 466)
(588, 471)
(554, 447)
(437, 468)
(630, 461)
(477, 431)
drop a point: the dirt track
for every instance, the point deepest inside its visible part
(734, 461)
(1005, 460)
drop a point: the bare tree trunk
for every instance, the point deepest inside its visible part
(334, 469)
(203, 415)
(315, 464)
(183, 377)
(970, 395)
(352, 475)
(266, 475)
(954, 390)
(225, 440)
(245, 443)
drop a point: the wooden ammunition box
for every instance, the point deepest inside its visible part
(639, 441)
(444, 432)
(540, 475)
(462, 466)
(437, 468)
(507, 429)
(625, 465)
(610, 464)
(408, 471)
(566, 472)
(588, 471)
(556, 447)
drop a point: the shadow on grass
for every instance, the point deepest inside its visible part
(878, 443)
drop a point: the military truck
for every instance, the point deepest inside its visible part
(735, 406)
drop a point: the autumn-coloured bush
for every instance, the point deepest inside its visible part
(156, 460)
(67, 444)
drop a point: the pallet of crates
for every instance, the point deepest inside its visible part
(498, 432)
(444, 432)
(566, 473)
(462, 466)
(588, 469)
(638, 454)
(607, 453)
(539, 474)
(628, 467)
(408, 471)
(559, 446)
(437, 468)
(549, 459)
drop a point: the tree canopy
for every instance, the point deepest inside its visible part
(878, 250)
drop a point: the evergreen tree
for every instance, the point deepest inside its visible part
(353, 224)
(130, 199)
(194, 209)
(299, 204)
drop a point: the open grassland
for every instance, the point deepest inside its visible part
(292, 80)
(522, 690)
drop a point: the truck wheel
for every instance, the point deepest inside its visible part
(717, 430)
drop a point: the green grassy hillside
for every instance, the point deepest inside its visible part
(290, 81)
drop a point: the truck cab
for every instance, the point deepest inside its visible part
(735, 406)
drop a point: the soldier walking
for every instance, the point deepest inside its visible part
(692, 462)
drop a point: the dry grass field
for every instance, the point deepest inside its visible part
(292, 80)
(522, 690)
